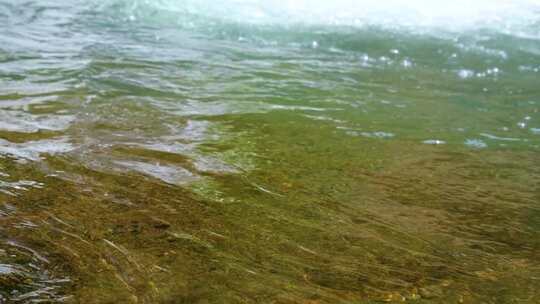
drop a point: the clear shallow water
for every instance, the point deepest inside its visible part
(264, 152)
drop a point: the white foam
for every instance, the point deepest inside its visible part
(457, 14)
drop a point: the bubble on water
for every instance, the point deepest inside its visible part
(526, 68)
(463, 74)
(384, 59)
(314, 44)
(522, 124)
(492, 71)
(406, 63)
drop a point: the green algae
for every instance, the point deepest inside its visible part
(430, 226)
(220, 162)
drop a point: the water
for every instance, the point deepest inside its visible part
(269, 151)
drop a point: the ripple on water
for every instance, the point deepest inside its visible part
(211, 164)
(32, 150)
(475, 143)
(494, 137)
(324, 118)
(168, 173)
(202, 163)
(15, 121)
(197, 108)
(194, 130)
(377, 134)
(434, 142)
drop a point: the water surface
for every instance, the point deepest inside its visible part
(269, 151)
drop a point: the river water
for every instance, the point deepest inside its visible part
(247, 151)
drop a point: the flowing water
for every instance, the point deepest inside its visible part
(242, 151)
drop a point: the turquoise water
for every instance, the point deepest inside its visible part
(269, 152)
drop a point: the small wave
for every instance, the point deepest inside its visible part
(506, 16)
